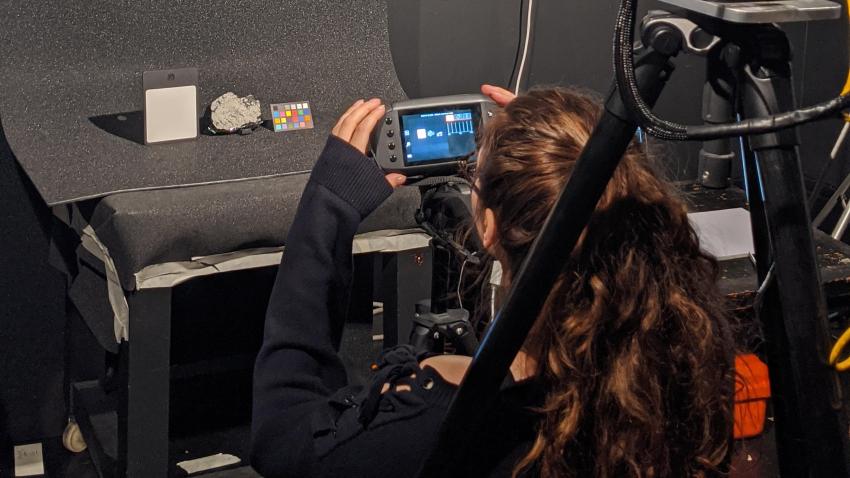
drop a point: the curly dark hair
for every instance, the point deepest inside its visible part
(634, 343)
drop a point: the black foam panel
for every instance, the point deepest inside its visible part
(71, 85)
(31, 309)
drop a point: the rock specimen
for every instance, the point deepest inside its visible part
(230, 113)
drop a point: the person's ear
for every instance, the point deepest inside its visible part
(489, 236)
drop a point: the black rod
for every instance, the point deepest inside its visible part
(540, 269)
(808, 432)
(809, 438)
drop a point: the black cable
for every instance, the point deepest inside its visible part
(627, 84)
(652, 124)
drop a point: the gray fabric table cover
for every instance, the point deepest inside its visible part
(71, 90)
(145, 228)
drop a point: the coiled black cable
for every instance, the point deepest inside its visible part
(652, 124)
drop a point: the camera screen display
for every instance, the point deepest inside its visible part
(430, 136)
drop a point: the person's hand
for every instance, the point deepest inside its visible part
(499, 95)
(355, 127)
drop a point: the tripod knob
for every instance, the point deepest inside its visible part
(665, 40)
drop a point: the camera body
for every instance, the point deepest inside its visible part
(429, 136)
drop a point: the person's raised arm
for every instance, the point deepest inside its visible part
(298, 368)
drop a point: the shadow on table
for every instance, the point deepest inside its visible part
(130, 125)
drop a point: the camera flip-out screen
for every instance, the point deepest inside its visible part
(435, 135)
(431, 136)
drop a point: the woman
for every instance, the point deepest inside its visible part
(628, 371)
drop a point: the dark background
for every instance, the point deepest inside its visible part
(440, 47)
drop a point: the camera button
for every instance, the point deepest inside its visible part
(390, 133)
(391, 146)
(393, 158)
(389, 120)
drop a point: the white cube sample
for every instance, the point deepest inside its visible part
(171, 114)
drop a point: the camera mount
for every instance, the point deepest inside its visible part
(445, 207)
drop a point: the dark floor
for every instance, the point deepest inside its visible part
(201, 428)
(60, 463)
(754, 458)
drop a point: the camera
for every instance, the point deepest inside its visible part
(430, 136)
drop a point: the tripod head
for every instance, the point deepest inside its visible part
(737, 38)
(759, 124)
(770, 11)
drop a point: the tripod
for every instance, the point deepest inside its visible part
(443, 208)
(748, 75)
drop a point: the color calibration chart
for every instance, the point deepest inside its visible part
(291, 116)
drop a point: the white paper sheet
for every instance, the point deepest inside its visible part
(29, 460)
(208, 463)
(725, 234)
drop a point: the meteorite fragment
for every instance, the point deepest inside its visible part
(232, 114)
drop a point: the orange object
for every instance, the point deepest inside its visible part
(752, 389)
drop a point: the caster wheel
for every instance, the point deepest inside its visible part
(72, 438)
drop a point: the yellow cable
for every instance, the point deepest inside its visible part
(847, 84)
(836, 351)
(846, 88)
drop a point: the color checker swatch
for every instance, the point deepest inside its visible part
(292, 116)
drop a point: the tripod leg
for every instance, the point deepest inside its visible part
(758, 216)
(809, 439)
(716, 156)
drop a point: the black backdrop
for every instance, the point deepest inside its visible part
(440, 47)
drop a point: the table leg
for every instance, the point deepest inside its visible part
(406, 281)
(144, 402)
